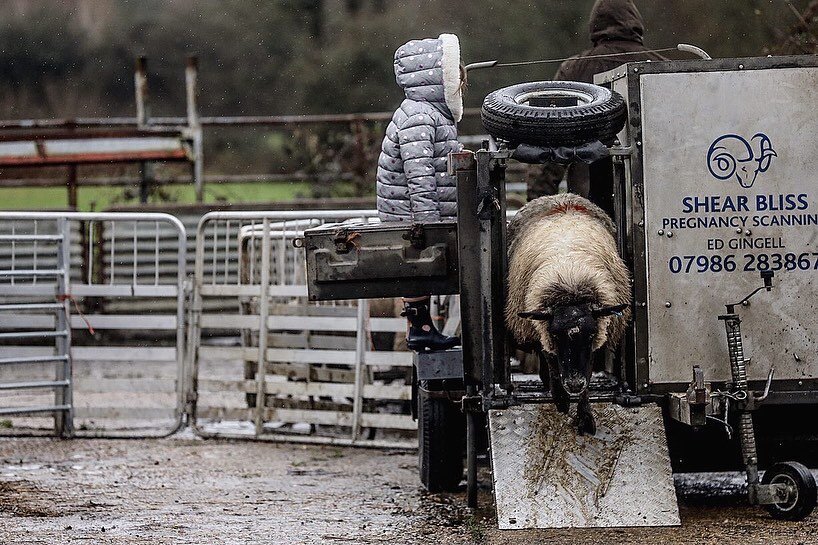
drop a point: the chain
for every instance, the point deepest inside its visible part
(740, 395)
(68, 297)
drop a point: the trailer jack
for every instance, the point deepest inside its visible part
(788, 489)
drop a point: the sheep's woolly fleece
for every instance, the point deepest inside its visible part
(562, 251)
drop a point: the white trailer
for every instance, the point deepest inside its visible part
(714, 199)
(715, 182)
(719, 185)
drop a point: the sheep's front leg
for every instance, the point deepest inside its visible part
(585, 418)
(550, 376)
(545, 376)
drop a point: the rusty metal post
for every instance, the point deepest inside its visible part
(146, 173)
(194, 123)
(141, 90)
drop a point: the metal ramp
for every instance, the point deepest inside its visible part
(547, 476)
(56, 313)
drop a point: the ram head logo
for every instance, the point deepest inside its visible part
(732, 155)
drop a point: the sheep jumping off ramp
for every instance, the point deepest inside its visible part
(569, 293)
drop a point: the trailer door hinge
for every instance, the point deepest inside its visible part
(628, 400)
(471, 403)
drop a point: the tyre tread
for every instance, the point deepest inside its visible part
(601, 120)
(441, 428)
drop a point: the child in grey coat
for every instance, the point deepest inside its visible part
(413, 183)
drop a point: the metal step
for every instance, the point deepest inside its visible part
(530, 389)
(36, 384)
(548, 476)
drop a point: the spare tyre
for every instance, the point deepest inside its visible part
(554, 113)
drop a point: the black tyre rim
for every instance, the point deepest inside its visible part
(582, 97)
(594, 113)
(790, 501)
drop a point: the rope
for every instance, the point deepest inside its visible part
(601, 56)
(68, 297)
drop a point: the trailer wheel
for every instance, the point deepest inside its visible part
(441, 443)
(801, 491)
(533, 113)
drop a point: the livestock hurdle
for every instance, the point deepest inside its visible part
(67, 352)
(312, 376)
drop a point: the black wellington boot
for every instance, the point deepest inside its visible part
(422, 332)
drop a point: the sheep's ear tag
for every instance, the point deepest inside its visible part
(608, 311)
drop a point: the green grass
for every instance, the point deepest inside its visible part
(475, 529)
(100, 198)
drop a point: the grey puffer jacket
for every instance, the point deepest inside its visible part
(413, 184)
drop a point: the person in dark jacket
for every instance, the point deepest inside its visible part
(413, 182)
(616, 28)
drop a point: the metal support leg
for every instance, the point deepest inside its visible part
(746, 433)
(747, 437)
(471, 453)
(361, 346)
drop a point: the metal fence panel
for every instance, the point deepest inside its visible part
(71, 350)
(302, 371)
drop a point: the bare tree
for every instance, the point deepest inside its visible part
(802, 37)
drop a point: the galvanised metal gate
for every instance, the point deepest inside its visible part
(303, 371)
(69, 350)
(101, 334)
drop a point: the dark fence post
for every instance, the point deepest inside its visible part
(71, 183)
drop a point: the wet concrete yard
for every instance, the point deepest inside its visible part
(184, 490)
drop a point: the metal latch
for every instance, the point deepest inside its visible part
(489, 203)
(345, 240)
(416, 236)
(694, 406)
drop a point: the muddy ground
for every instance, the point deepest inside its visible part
(186, 490)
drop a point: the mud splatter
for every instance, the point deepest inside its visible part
(556, 450)
(24, 499)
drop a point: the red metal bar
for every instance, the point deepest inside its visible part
(74, 134)
(88, 158)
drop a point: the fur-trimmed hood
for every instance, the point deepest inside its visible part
(429, 71)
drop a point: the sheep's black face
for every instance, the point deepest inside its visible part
(573, 329)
